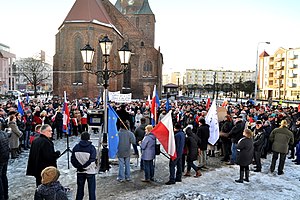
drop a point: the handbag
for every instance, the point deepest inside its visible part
(223, 134)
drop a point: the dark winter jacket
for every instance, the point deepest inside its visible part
(28, 122)
(139, 133)
(259, 139)
(4, 147)
(41, 155)
(148, 147)
(203, 135)
(244, 151)
(179, 142)
(192, 146)
(84, 157)
(281, 139)
(236, 132)
(52, 191)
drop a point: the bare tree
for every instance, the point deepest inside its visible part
(35, 71)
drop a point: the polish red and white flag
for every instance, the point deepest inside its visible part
(164, 132)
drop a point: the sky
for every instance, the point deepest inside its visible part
(199, 34)
(217, 184)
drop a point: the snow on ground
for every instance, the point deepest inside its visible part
(213, 184)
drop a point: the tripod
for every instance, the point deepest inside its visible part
(67, 150)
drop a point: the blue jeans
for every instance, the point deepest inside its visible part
(178, 164)
(148, 169)
(190, 164)
(91, 180)
(124, 162)
(3, 181)
(233, 153)
(26, 139)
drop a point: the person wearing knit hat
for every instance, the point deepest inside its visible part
(51, 187)
(84, 160)
(281, 138)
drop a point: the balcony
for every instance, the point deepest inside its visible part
(292, 66)
(278, 85)
(278, 75)
(278, 59)
(292, 75)
(292, 56)
(278, 66)
(292, 85)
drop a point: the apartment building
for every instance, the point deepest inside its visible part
(279, 74)
(203, 77)
(7, 71)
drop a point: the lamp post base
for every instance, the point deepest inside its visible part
(104, 165)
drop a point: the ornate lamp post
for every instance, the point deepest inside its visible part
(87, 53)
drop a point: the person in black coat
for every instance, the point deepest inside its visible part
(191, 143)
(42, 154)
(203, 135)
(123, 115)
(245, 155)
(259, 141)
(4, 156)
(226, 142)
(236, 134)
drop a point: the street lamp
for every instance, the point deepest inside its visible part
(87, 53)
(256, 69)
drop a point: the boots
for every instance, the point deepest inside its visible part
(246, 176)
(188, 173)
(14, 153)
(212, 153)
(198, 173)
(241, 177)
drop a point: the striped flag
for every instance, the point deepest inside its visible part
(164, 132)
(20, 108)
(154, 107)
(66, 115)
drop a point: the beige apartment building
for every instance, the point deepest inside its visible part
(7, 71)
(203, 77)
(279, 74)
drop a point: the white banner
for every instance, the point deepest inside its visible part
(113, 95)
(121, 98)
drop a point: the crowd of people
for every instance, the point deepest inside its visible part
(248, 133)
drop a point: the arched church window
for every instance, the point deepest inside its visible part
(147, 68)
(78, 59)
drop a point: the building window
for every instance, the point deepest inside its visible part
(147, 69)
(78, 59)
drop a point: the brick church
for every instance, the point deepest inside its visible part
(88, 21)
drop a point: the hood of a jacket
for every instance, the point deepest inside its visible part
(85, 143)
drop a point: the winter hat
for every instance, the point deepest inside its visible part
(85, 136)
(259, 122)
(49, 175)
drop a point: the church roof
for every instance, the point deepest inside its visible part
(89, 11)
(145, 9)
(264, 54)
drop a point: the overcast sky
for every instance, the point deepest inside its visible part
(191, 33)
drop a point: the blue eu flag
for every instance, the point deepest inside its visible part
(113, 136)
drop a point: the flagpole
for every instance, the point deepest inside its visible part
(67, 127)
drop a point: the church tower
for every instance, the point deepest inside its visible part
(87, 22)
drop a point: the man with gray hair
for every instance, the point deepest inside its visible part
(42, 154)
